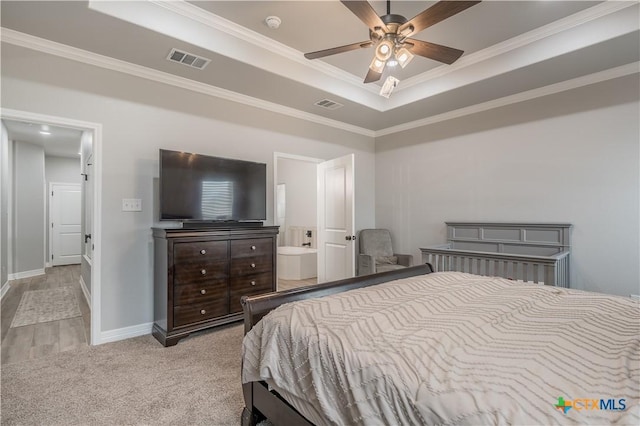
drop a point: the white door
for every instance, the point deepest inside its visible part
(64, 213)
(336, 254)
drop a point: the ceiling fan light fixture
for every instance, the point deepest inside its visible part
(406, 32)
(377, 65)
(390, 83)
(404, 56)
(384, 50)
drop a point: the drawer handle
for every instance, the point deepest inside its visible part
(253, 247)
(253, 265)
(203, 291)
(203, 272)
(202, 312)
(203, 251)
(253, 283)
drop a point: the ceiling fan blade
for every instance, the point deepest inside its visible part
(341, 49)
(437, 52)
(372, 76)
(436, 13)
(366, 13)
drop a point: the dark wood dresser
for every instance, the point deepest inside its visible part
(200, 275)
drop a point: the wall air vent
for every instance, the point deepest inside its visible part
(188, 59)
(328, 104)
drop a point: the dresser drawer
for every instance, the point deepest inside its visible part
(196, 312)
(251, 247)
(201, 272)
(248, 286)
(190, 252)
(200, 293)
(251, 265)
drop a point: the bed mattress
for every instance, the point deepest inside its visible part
(453, 348)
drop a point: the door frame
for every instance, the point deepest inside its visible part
(96, 130)
(50, 218)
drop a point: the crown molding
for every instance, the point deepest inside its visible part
(90, 58)
(64, 51)
(217, 22)
(621, 71)
(584, 16)
(197, 26)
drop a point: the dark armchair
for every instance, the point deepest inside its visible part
(376, 253)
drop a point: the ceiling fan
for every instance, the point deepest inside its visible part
(390, 34)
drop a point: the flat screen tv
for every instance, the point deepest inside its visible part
(201, 188)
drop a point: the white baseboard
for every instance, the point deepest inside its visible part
(125, 333)
(85, 291)
(47, 265)
(5, 288)
(26, 274)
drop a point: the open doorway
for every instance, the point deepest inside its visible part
(64, 260)
(295, 192)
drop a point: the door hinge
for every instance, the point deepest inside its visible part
(86, 176)
(51, 257)
(52, 224)
(52, 193)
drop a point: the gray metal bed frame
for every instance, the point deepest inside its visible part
(532, 252)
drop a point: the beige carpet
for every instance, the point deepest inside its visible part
(53, 304)
(131, 382)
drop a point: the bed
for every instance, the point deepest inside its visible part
(532, 252)
(416, 347)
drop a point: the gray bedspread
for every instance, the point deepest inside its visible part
(453, 348)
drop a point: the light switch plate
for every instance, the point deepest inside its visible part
(131, 205)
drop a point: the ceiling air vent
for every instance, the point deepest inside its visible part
(328, 104)
(189, 59)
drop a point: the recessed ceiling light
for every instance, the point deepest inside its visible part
(42, 132)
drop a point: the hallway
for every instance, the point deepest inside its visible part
(20, 343)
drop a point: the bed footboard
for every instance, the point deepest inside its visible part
(255, 307)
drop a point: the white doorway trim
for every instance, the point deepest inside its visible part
(96, 129)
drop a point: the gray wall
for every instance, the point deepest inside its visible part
(4, 206)
(29, 207)
(138, 118)
(569, 157)
(62, 169)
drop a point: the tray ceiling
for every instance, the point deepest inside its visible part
(514, 50)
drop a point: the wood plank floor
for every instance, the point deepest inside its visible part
(42, 339)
